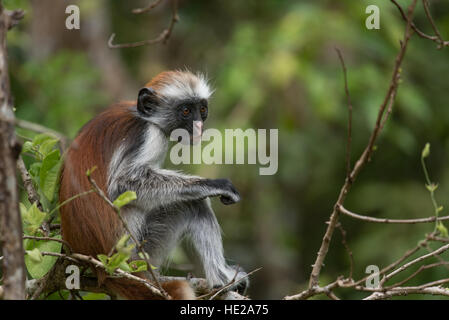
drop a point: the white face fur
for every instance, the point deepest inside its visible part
(185, 85)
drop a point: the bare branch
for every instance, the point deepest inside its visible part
(432, 22)
(313, 291)
(364, 158)
(413, 262)
(41, 129)
(414, 274)
(69, 248)
(418, 31)
(151, 6)
(387, 220)
(406, 291)
(163, 37)
(10, 222)
(348, 97)
(348, 250)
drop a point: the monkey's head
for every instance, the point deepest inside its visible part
(176, 100)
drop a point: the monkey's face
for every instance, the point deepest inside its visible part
(191, 115)
(171, 114)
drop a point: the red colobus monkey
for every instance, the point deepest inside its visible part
(128, 143)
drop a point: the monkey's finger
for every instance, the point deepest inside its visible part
(226, 200)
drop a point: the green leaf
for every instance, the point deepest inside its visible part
(48, 175)
(35, 169)
(103, 258)
(23, 210)
(431, 187)
(138, 266)
(31, 218)
(122, 242)
(426, 151)
(41, 138)
(146, 256)
(117, 260)
(125, 198)
(91, 170)
(442, 229)
(47, 146)
(95, 296)
(35, 255)
(125, 267)
(27, 147)
(38, 269)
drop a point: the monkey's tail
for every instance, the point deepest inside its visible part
(132, 290)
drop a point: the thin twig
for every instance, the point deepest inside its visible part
(151, 6)
(69, 248)
(440, 239)
(163, 37)
(232, 283)
(348, 97)
(403, 291)
(313, 291)
(41, 129)
(413, 262)
(418, 31)
(348, 250)
(414, 274)
(77, 258)
(432, 22)
(53, 212)
(387, 220)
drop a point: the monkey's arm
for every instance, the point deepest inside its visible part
(159, 187)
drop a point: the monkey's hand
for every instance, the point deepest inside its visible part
(227, 192)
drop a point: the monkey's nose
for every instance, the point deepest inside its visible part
(197, 128)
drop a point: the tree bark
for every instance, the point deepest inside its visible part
(10, 221)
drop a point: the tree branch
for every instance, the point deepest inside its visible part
(364, 158)
(386, 220)
(10, 221)
(163, 37)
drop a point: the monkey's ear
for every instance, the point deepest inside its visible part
(147, 101)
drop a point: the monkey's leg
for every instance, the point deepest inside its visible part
(204, 233)
(162, 230)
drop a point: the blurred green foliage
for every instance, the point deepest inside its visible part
(273, 65)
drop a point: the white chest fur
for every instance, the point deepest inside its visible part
(154, 149)
(151, 154)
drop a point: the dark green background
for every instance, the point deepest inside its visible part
(273, 65)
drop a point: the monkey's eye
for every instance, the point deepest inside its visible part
(203, 110)
(185, 111)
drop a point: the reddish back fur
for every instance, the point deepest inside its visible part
(89, 225)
